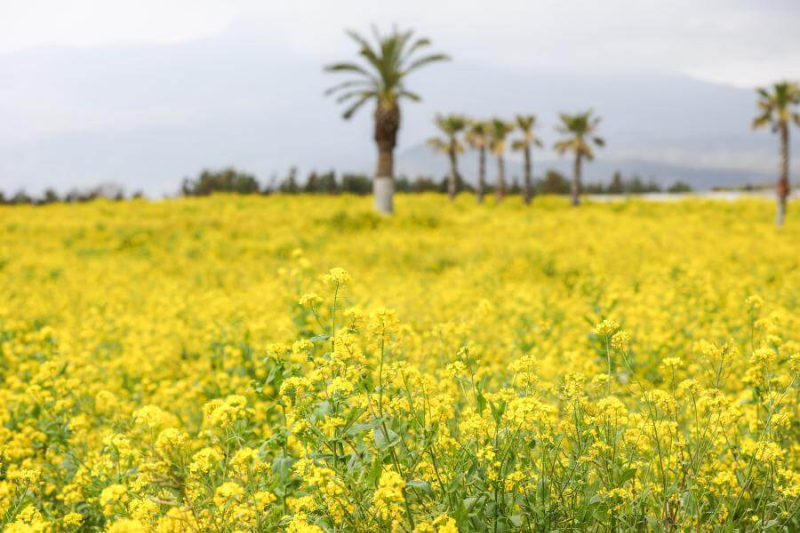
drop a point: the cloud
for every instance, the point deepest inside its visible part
(741, 42)
(30, 23)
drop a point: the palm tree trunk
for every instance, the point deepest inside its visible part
(387, 123)
(383, 186)
(385, 162)
(576, 182)
(481, 174)
(528, 185)
(783, 187)
(501, 177)
(451, 182)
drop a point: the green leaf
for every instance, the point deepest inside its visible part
(497, 411)
(375, 471)
(282, 467)
(627, 475)
(454, 486)
(385, 439)
(357, 429)
(421, 485)
(481, 402)
(472, 503)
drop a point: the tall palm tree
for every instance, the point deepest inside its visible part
(451, 126)
(498, 131)
(580, 136)
(380, 78)
(775, 106)
(526, 125)
(478, 139)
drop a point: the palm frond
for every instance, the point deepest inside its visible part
(346, 85)
(578, 130)
(761, 121)
(350, 111)
(775, 105)
(352, 94)
(346, 67)
(437, 144)
(525, 123)
(451, 125)
(563, 146)
(433, 58)
(418, 45)
(478, 134)
(383, 68)
(365, 48)
(414, 97)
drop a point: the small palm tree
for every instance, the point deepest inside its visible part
(381, 79)
(498, 131)
(478, 139)
(776, 108)
(579, 129)
(526, 125)
(451, 126)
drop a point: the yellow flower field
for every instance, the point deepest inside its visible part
(298, 364)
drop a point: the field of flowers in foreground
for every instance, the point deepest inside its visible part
(297, 364)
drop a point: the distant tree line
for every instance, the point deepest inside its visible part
(634, 185)
(553, 182)
(109, 191)
(230, 180)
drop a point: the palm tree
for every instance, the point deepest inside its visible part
(579, 129)
(381, 78)
(775, 105)
(451, 126)
(526, 124)
(478, 139)
(498, 131)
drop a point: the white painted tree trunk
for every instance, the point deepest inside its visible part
(784, 185)
(780, 215)
(383, 191)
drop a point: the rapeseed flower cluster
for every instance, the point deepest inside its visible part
(235, 364)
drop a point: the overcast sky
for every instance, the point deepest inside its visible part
(743, 42)
(740, 43)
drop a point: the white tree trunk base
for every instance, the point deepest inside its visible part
(383, 190)
(780, 215)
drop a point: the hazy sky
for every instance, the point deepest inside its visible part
(81, 73)
(742, 42)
